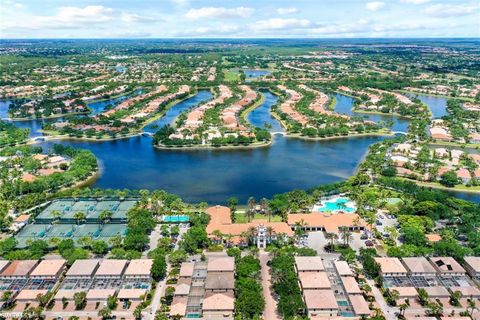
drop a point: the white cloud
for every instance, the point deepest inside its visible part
(288, 10)
(87, 14)
(133, 17)
(219, 12)
(65, 18)
(415, 1)
(375, 5)
(449, 10)
(12, 4)
(278, 24)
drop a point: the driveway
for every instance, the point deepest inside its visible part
(270, 311)
(317, 241)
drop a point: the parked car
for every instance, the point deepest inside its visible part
(369, 243)
(364, 236)
(379, 223)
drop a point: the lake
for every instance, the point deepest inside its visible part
(215, 175)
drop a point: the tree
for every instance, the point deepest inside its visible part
(232, 204)
(105, 216)
(250, 213)
(105, 313)
(472, 305)
(99, 247)
(449, 179)
(79, 217)
(159, 267)
(111, 302)
(332, 237)
(422, 296)
(346, 235)
(80, 299)
(455, 298)
(434, 309)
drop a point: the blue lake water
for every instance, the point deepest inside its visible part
(99, 106)
(261, 116)
(173, 113)
(215, 175)
(255, 73)
(437, 105)
(344, 106)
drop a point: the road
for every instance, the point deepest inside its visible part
(388, 311)
(149, 313)
(270, 311)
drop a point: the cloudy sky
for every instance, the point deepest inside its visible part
(238, 18)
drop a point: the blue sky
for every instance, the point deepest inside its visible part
(238, 18)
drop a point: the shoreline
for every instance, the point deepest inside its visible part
(436, 95)
(211, 147)
(107, 138)
(437, 185)
(366, 134)
(244, 114)
(49, 117)
(454, 144)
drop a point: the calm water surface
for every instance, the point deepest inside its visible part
(215, 175)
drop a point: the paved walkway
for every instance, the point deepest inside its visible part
(389, 312)
(270, 311)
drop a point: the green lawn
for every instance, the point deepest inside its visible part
(241, 218)
(231, 75)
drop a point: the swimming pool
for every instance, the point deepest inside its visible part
(338, 204)
(176, 219)
(342, 303)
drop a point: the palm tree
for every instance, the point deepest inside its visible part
(79, 216)
(402, 308)
(251, 203)
(105, 216)
(332, 237)
(56, 215)
(218, 235)
(346, 235)
(422, 296)
(434, 309)
(455, 298)
(264, 204)
(300, 228)
(472, 305)
(251, 232)
(270, 231)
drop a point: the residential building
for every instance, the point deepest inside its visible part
(447, 266)
(391, 267)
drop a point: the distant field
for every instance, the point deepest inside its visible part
(231, 75)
